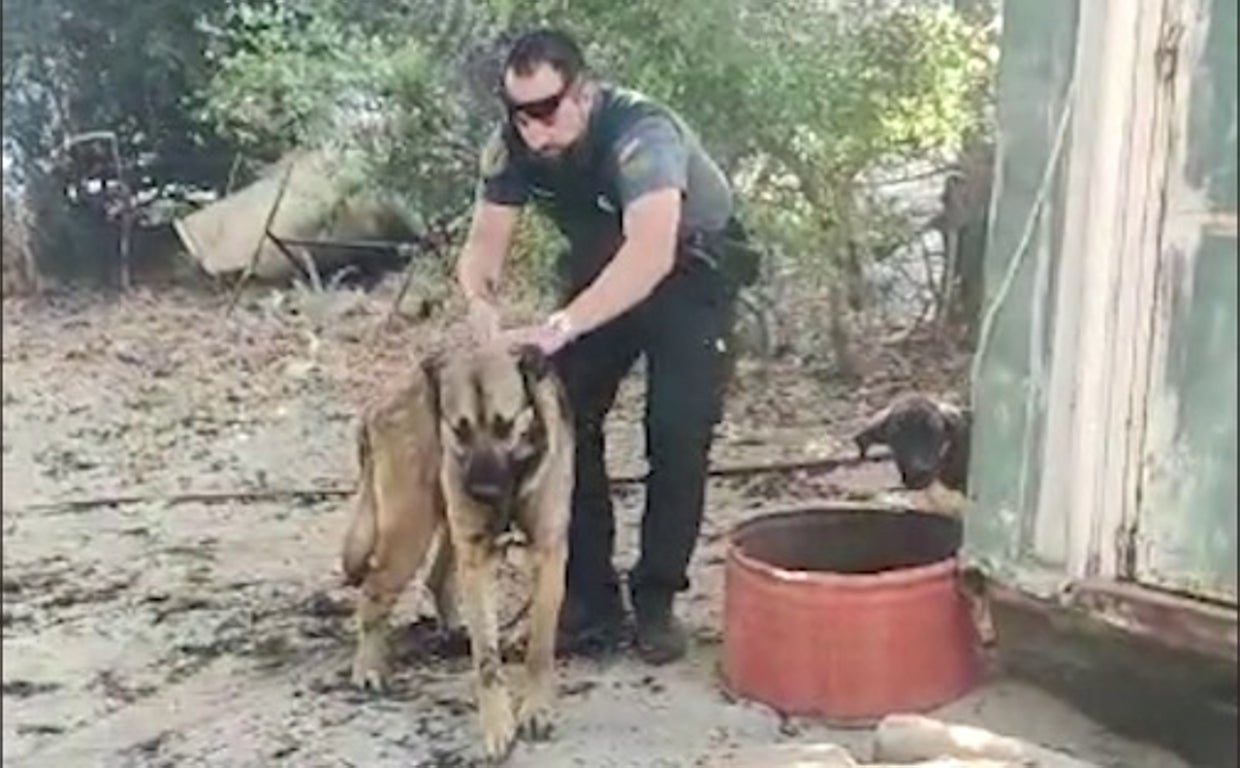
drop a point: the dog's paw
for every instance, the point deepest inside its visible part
(534, 722)
(369, 679)
(369, 671)
(499, 727)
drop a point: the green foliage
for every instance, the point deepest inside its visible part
(800, 100)
(281, 75)
(847, 95)
(134, 68)
(306, 74)
(797, 101)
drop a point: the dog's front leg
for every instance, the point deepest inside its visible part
(407, 517)
(535, 715)
(442, 583)
(476, 562)
(379, 593)
(371, 627)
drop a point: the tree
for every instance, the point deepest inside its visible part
(134, 68)
(801, 100)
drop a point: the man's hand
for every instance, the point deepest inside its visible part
(550, 336)
(483, 320)
(478, 270)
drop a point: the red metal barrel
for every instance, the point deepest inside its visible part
(847, 614)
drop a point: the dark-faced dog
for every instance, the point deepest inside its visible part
(481, 439)
(928, 439)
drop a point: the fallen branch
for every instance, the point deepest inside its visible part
(438, 237)
(70, 506)
(258, 246)
(826, 464)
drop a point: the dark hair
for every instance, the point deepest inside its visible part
(545, 46)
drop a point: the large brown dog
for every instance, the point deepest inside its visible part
(482, 439)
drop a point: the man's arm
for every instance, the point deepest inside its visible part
(652, 166)
(646, 257)
(501, 193)
(481, 264)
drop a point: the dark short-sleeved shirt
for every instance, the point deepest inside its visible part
(632, 146)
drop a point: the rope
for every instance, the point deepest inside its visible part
(1022, 247)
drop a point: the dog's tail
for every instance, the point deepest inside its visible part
(359, 540)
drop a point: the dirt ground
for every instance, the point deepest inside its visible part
(164, 630)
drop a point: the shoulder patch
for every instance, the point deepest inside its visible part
(633, 164)
(649, 143)
(629, 148)
(494, 157)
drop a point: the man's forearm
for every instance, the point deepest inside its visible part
(477, 275)
(482, 259)
(631, 276)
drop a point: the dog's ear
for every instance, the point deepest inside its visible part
(431, 365)
(532, 363)
(958, 419)
(955, 470)
(875, 431)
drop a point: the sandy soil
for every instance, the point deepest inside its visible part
(165, 631)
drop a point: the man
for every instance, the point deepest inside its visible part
(643, 210)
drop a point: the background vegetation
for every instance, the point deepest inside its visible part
(815, 108)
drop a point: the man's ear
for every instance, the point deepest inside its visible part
(875, 431)
(532, 363)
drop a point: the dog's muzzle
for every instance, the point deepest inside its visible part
(917, 479)
(488, 477)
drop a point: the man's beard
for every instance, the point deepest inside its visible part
(561, 157)
(555, 157)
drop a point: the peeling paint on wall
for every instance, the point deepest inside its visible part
(1038, 43)
(1168, 442)
(1186, 532)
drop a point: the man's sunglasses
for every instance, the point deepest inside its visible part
(542, 110)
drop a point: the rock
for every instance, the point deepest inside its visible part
(907, 738)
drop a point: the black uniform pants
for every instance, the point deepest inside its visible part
(682, 328)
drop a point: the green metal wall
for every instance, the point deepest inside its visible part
(1038, 53)
(1186, 535)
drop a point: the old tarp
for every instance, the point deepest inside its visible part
(223, 236)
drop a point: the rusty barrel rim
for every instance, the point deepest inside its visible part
(736, 553)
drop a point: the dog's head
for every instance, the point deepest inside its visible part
(490, 422)
(921, 434)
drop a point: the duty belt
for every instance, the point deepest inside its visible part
(699, 244)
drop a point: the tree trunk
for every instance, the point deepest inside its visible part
(977, 161)
(971, 234)
(841, 282)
